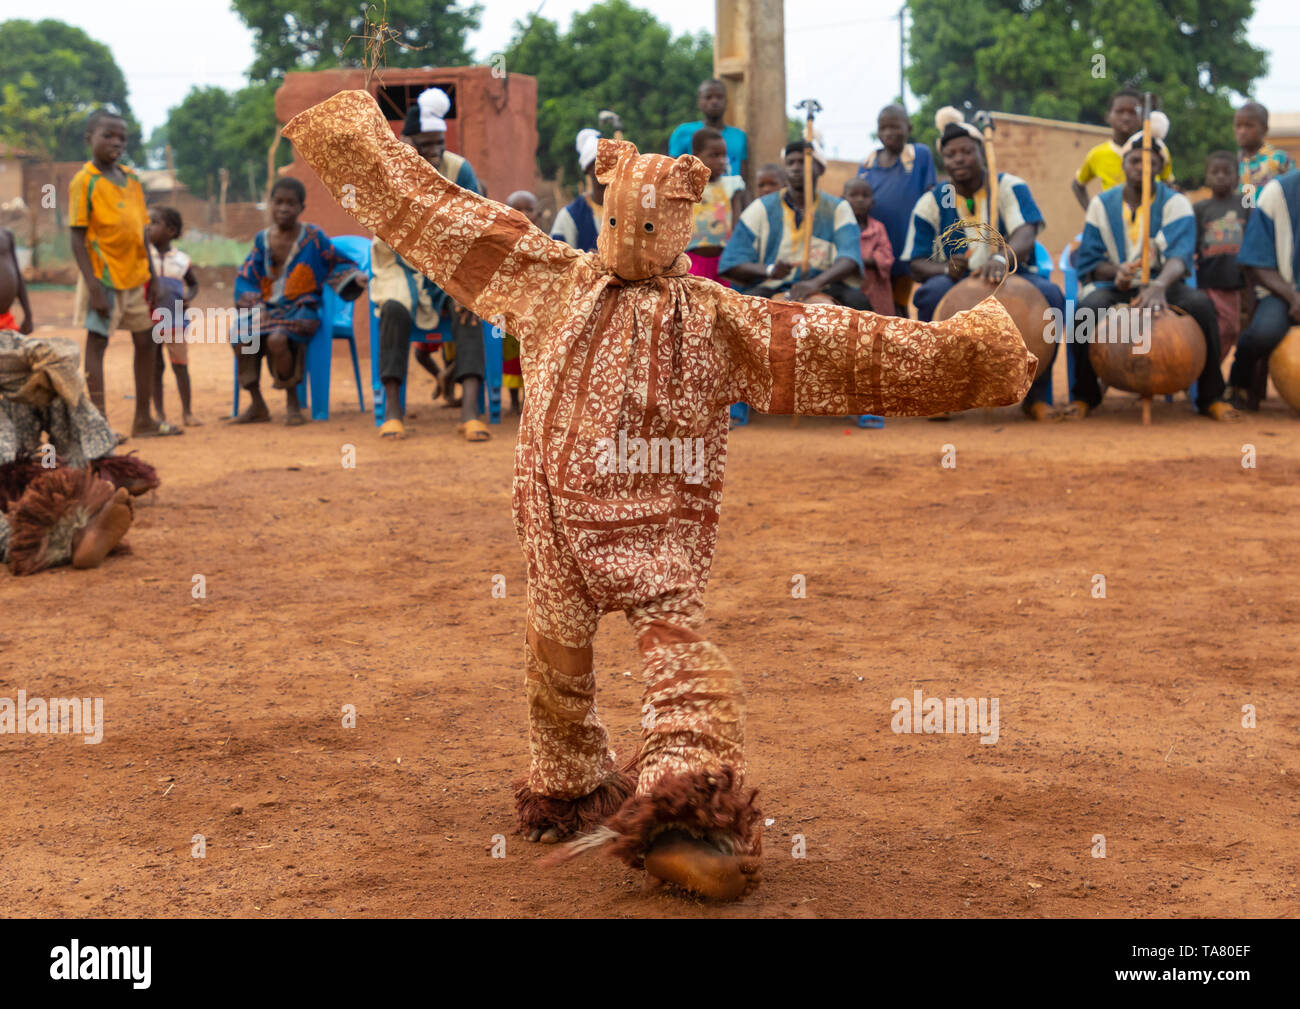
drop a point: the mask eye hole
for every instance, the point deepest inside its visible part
(613, 223)
(649, 226)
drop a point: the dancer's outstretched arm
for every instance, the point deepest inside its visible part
(485, 255)
(787, 357)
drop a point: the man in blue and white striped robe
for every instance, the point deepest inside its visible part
(938, 267)
(1270, 250)
(1109, 259)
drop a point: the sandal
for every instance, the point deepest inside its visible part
(474, 430)
(392, 428)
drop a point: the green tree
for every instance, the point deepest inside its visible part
(62, 70)
(1063, 59)
(213, 129)
(314, 34)
(614, 56)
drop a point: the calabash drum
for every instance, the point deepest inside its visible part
(1175, 357)
(813, 299)
(1284, 367)
(1023, 302)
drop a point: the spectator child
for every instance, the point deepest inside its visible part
(712, 100)
(107, 217)
(177, 286)
(1258, 161)
(1220, 225)
(770, 179)
(719, 208)
(877, 252)
(282, 280)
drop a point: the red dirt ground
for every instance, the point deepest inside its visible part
(372, 586)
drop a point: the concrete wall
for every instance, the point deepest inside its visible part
(493, 122)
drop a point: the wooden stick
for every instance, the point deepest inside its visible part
(807, 196)
(1145, 210)
(991, 180)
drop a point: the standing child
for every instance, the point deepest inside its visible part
(1220, 224)
(12, 286)
(877, 253)
(1104, 162)
(899, 173)
(711, 97)
(1258, 162)
(107, 217)
(281, 282)
(177, 286)
(719, 208)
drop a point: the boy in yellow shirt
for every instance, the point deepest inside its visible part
(108, 221)
(1104, 161)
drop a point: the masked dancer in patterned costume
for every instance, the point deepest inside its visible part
(74, 506)
(624, 344)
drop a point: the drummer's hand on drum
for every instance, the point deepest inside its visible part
(801, 290)
(1124, 276)
(993, 270)
(780, 268)
(957, 265)
(1152, 296)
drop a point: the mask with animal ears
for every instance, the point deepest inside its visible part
(648, 209)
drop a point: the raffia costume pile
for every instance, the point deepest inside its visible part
(626, 340)
(42, 508)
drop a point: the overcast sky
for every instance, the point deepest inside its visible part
(844, 53)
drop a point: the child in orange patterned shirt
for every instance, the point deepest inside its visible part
(719, 208)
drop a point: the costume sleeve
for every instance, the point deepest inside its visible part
(485, 255)
(785, 357)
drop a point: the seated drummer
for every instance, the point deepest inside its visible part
(1270, 252)
(765, 250)
(965, 198)
(1110, 257)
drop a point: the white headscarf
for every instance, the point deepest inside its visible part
(586, 147)
(434, 104)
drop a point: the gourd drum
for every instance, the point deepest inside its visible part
(1173, 361)
(1284, 367)
(1023, 302)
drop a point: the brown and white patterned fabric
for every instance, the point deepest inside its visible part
(624, 342)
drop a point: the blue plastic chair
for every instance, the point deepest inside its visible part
(335, 324)
(489, 395)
